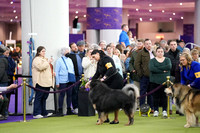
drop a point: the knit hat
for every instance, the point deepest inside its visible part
(2, 49)
(79, 43)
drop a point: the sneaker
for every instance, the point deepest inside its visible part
(164, 113)
(76, 111)
(37, 116)
(49, 114)
(155, 114)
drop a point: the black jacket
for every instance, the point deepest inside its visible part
(106, 67)
(72, 56)
(174, 57)
(3, 69)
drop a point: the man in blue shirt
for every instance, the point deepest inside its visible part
(123, 37)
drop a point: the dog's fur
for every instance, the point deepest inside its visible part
(106, 100)
(188, 102)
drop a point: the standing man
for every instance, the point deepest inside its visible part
(76, 58)
(173, 55)
(81, 47)
(133, 74)
(123, 37)
(142, 69)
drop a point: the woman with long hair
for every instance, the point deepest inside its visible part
(43, 78)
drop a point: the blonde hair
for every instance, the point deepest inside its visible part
(194, 51)
(189, 59)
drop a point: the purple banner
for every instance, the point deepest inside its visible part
(188, 29)
(104, 18)
(75, 38)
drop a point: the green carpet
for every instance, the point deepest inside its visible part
(75, 124)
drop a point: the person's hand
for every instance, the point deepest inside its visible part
(1, 97)
(87, 85)
(189, 85)
(57, 86)
(51, 60)
(12, 86)
(54, 74)
(133, 71)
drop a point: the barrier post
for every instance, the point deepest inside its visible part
(167, 83)
(128, 78)
(168, 77)
(24, 101)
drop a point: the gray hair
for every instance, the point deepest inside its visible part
(63, 50)
(94, 46)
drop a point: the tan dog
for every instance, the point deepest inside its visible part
(188, 102)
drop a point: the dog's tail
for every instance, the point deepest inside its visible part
(132, 91)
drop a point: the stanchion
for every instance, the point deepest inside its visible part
(168, 83)
(128, 78)
(24, 100)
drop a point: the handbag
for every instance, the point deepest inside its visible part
(71, 76)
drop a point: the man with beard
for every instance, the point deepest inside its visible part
(76, 58)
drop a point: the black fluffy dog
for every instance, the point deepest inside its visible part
(106, 100)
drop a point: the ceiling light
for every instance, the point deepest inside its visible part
(150, 19)
(14, 11)
(84, 16)
(128, 15)
(170, 18)
(140, 19)
(137, 9)
(76, 16)
(181, 4)
(11, 20)
(150, 4)
(163, 11)
(174, 13)
(181, 17)
(150, 10)
(76, 12)
(16, 17)
(133, 0)
(11, 2)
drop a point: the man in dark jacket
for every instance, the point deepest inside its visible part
(3, 67)
(173, 55)
(3, 82)
(142, 69)
(76, 58)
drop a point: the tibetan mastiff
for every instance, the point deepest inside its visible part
(188, 102)
(106, 100)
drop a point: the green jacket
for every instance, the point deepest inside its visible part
(133, 75)
(142, 63)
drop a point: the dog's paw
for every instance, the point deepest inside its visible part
(187, 125)
(98, 123)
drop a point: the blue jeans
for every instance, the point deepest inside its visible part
(145, 88)
(75, 93)
(40, 101)
(62, 95)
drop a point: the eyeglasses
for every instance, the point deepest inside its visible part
(182, 60)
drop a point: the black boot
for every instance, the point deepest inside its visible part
(60, 112)
(69, 111)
